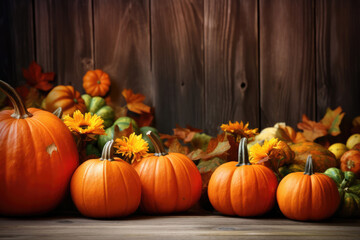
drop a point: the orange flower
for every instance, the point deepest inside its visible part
(239, 129)
(132, 148)
(92, 125)
(134, 102)
(262, 153)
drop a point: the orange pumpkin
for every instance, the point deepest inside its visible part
(308, 196)
(239, 188)
(350, 161)
(65, 97)
(96, 83)
(38, 157)
(107, 187)
(170, 182)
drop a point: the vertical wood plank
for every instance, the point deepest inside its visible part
(338, 56)
(231, 63)
(17, 40)
(64, 39)
(177, 57)
(122, 45)
(287, 61)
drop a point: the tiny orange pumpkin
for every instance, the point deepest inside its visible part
(96, 83)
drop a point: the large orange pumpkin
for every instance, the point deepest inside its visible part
(308, 196)
(107, 187)
(65, 97)
(96, 83)
(170, 182)
(38, 157)
(239, 188)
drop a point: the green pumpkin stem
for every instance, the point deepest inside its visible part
(108, 151)
(159, 148)
(20, 110)
(309, 170)
(243, 155)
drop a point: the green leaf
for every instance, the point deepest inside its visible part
(201, 141)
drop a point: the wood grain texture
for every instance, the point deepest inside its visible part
(231, 63)
(177, 63)
(64, 39)
(122, 45)
(287, 61)
(338, 56)
(189, 226)
(17, 40)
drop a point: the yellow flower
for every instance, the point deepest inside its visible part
(262, 153)
(239, 129)
(133, 148)
(85, 124)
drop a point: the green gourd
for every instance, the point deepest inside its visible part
(97, 105)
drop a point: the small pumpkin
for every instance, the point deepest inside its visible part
(38, 157)
(123, 123)
(239, 188)
(97, 105)
(170, 182)
(308, 196)
(322, 158)
(96, 83)
(350, 161)
(107, 187)
(65, 97)
(349, 189)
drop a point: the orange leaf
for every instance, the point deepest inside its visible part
(124, 133)
(175, 146)
(332, 120)
(290, 135)
(312, 129)
(144, 119)
(184, 134)
(134, 102)
(35, 78)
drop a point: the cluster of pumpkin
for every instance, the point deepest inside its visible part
(36, 175)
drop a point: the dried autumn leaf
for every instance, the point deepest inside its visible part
(332, 120)
(134, 102)
(124, 133)
(217, 149)
(200, 140)
(232, 153)
(35, 78)
(34, 99)
(144, 119)
(180, 133)
(290, 135)
(312, 129)
(175, 146)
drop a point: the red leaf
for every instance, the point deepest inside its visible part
(35, 78)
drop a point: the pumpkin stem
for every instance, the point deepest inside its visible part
(159, 148)
(309, 166)
(20, 110)
(243, 155)
(108, 151)
(58, 112)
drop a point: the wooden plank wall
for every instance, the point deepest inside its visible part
(199, 62)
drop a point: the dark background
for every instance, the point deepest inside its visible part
(198, 62)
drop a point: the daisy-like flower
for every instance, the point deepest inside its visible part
(85, 124)
(240, 130)
(259, 154)
(132, 148)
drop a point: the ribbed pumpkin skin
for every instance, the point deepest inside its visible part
(33, 180)
(248, 190)
(350, 161)
(322, 158)
(170, 183)
(303, 197)
(106, 189)
(65, 97)
(96, 83)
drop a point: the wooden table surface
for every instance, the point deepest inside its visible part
(192, 225)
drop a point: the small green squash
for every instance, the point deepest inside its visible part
(97, 105)
(123, 123)
(349, 189)
(144, 130)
